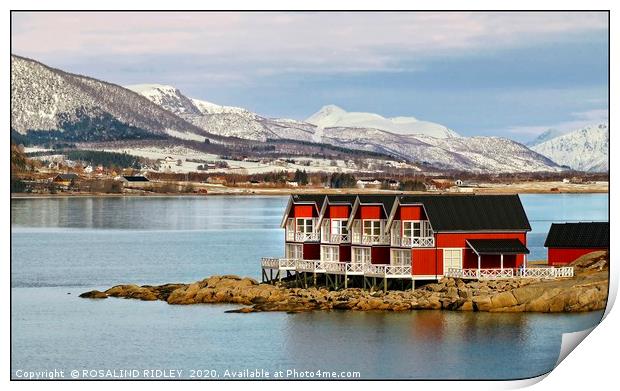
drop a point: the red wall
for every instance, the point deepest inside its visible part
(380, 255)
(458, 239)
(345, 253)
(423, 262)
(304, 211)
(312, 251)
(371, 212)
(337, 212)
(563, 256)
(470, 260)
(410, 213)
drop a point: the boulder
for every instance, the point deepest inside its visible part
(94, 295)
(503, 299)
(481, 303)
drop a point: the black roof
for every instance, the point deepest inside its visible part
(472, 212)
(67, 176)
(135, 178)
(595, 234)
(498, 246)
(316, 199)
(386, 200)
(341, 199)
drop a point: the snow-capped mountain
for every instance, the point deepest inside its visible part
(225, 121)
(407, 138)
(474, 154)
(585, 149)
(48, 99)
(332, 116)
(544, 136)
(81, 109)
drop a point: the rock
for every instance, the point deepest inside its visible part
(526, 294)
(538, 305)
(452, 292)
(587, 296)
(503, 299)
(243, 310)
(94, 295)
(468, 305)
(481, 303)
(133, 292)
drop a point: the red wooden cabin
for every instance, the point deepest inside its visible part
(567, 242)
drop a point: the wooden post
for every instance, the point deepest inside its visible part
(314, 277)
(412, 284)
(384, 283)
(478, 273)
(501, 262)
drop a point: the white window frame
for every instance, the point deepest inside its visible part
(340, 228)
(400, 257)
(361, 255)
(419, 227)
(374, 226)
(294, 251)
(330, 253)
(302, 225)
(455, 255)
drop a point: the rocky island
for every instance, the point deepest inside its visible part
(586, 291)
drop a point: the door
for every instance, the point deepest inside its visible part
(452, 259)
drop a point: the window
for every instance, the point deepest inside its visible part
(294, 251)
(372, 228)
(452, 259)
(401, 257)
(330, 253)
(361, 255)
(304, 226)
(339, 227)
(415, 229)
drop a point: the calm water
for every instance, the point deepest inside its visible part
(64, 246)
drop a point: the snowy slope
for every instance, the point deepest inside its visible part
(585, 149)
(334, 116)
(225, 121)
(48, 99)
(413, 140)
(545, 136)
(473, 154)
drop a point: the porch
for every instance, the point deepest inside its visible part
(336, 274)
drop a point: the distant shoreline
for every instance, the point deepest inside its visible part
(535, 188)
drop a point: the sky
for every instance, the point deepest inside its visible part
(506, 74)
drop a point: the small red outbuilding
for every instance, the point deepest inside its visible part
(567, 242)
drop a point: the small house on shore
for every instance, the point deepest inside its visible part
(64, 180)
(567, 242)
(404, 238)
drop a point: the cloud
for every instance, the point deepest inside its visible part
(268, 43)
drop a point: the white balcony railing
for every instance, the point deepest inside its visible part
(483, 274)
(335, 238)
(278, 263)
(546, 272)
(344, 267)
(375, 239)
(534, 272)
(396, 271)
(422, 241)
(387, 270)
(306, 236)
(303, 265)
